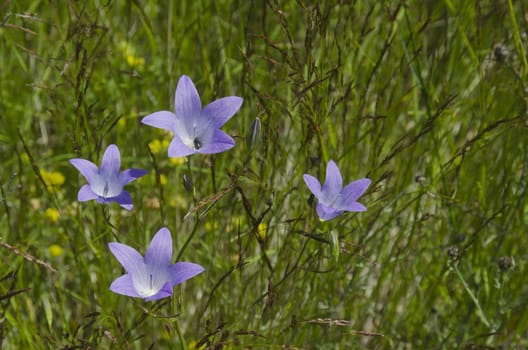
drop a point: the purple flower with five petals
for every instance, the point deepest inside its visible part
(152, 277)
(105, 185)
(332, 197)
(195, 130)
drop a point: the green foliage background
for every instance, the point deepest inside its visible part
(426, 98)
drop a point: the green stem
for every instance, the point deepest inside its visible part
(480, 312)
(189, 239)
(183, 343)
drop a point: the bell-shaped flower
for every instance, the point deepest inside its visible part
(332, 197)
(105, 185)
(195, 130)
(152, 277)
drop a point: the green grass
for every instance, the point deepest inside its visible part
(428, 99)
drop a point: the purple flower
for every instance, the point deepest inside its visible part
(332, 197)
(196, 130)
(105, 185)
(152, 277)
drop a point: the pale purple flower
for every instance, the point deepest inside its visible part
(152, 277)
(195, 130)
(332, 197)
(105, 185)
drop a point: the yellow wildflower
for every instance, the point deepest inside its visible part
(155, 146)
(163, 179)
(211, 226)
(262, 230)
(135, 61)
(53, 180)
(177, 161)
(55, 250)
(52, 214)
(129, 53)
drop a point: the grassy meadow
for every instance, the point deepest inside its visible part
(428, 99)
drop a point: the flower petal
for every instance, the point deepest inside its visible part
(326, 213)
(87, 169)
(354, 206)
(220, 142)
(221, 110)
(187, 103)
(129, 175)
(354, 190)
(178, 149)
(162, 119)
(313, 184)
(123, 199)
(130, 258)
(111, 161)
(182, 271)
(86, 194)
(123, 285)
(333, 181)
(159, 253)
(164, 292)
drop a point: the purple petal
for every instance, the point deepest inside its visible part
(164, 292)
(333, 181)
(182, 271)
(159, 253)
(186, 100)
(326, 213)
(87, 169)
(163, 120)
(220, 142)
(354, 206)
(123, 285)
(313, 184)
(123, 199)
(178, 149)
(111, 160)
(221, 110)
(127, 256)
(86, 194)
(355, 189)
(129, 175)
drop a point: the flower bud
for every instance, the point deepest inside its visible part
(253, 136)
(188, 183)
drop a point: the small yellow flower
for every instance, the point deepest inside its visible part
(52, 214)
(163, 179)
(129, 53)
(135, 61)
(262, 230)
(155, 146)
(53, 180)
(211, 226)
(177, 161)
(55, 250)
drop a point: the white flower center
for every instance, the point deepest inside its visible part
(150, 281)
(106, 186)
(331, 200)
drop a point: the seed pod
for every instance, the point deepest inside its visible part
(253, 136)
(188, 183)
(505, 263)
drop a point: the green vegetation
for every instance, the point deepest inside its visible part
(426, 98)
